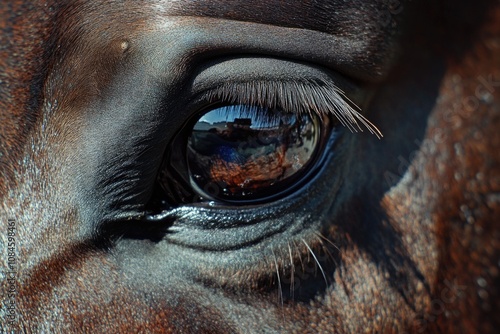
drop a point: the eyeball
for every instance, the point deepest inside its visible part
(247, 153)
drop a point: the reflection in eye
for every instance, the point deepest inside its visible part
(241, 152)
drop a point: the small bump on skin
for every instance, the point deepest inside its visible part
(124, 45)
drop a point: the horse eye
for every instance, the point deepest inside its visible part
(243, 154)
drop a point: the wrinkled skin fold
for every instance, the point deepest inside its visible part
(397, 234)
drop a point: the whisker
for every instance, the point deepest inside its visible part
(321, 236)
(280, 291)
(319, 264)
(292, 272)
(300, 255)
(326, 249)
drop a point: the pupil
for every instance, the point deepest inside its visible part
(243, 152)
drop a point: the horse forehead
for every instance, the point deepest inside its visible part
(333, 16)
(324, 15)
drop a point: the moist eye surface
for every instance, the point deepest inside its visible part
(241, 152)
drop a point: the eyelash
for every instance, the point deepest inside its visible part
(297, 97)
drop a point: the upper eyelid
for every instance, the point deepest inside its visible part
(295, 96)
